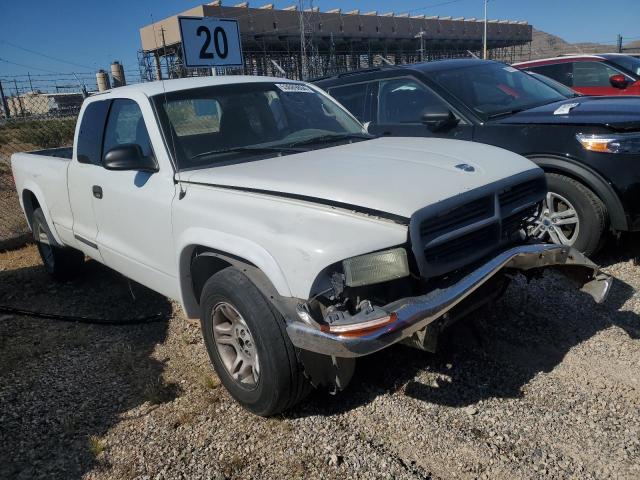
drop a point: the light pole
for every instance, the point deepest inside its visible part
(484, 38)
(421, 36)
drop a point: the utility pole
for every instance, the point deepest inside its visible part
(303, 42)
(619, 43)
(3, 103)
(484, 38)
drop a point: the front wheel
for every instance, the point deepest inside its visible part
(571, 215)
(248, 345)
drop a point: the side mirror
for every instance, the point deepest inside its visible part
(437, 121)
(129, 157)
(618, 81)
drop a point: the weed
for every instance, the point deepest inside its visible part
(96, 446)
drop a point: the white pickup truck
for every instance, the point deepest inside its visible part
(299, 241)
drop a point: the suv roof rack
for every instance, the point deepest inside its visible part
(355, 72)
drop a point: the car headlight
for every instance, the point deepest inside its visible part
(610, 143)
(376, 267)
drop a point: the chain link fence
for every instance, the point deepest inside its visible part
(37, 112)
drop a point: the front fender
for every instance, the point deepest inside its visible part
(570, 167)
(230, 245)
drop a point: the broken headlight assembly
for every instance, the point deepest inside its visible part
(376, 267)
(610, 143)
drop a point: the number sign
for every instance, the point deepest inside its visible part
(210, 42)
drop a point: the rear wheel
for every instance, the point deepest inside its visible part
(60, 262)
(571, 215)
(248, 345)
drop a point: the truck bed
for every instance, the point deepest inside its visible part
(43, 174)
(60, 152)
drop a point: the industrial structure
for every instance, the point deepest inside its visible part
(302, 42)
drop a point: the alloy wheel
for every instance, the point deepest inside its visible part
(558, 221)
(235, 345)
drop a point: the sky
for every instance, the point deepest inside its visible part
(49, 36)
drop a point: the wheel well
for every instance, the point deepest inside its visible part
(592, 181)
(206, 262)
(30, 202)
(203, 267)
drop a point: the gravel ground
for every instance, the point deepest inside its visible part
(545, 384)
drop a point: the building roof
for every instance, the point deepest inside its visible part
(283, 25)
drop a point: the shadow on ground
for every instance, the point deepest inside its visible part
(63, 385)
(492, 353)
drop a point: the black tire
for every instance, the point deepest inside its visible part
(281, 382)
(60, 262)
(592, 213)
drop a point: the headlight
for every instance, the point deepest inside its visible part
(610, 143)
(376, 267)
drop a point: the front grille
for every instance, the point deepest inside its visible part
(458, 217)
(464, 229)
(514, 223)
(478, 240)
(521, 194)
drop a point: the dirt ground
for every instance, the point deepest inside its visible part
(545, 384)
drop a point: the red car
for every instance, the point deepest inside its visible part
(602, 74)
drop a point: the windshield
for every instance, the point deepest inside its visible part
(232, 123)
(495, 89)
(628, 63)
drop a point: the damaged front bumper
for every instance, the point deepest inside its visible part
(403, 318)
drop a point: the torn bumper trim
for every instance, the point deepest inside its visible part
(415, 313)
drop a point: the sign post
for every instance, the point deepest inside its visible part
(210, 42)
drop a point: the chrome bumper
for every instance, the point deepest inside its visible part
(415, 313)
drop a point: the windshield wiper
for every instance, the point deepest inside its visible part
(330, 138)
(505, 114)
(248, 148)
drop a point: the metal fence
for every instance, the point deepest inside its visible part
(37, 112)
(40, 111)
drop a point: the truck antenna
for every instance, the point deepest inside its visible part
(164, 91)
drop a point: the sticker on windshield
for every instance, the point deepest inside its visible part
(565, 109)
(293, 88)
(510, 69)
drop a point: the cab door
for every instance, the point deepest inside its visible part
(133, 208)
(404, 106)
(83, 174)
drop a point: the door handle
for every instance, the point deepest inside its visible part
(97, 191)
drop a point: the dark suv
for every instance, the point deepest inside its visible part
(589, 146)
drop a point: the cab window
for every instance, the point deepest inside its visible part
(405, 100)
(125, 125)
(91, 128)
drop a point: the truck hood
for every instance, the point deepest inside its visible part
(395, 175)
(621, 113)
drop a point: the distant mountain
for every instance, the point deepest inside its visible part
(546, 45)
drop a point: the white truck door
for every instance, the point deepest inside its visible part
(82, 175)
(134, 210)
